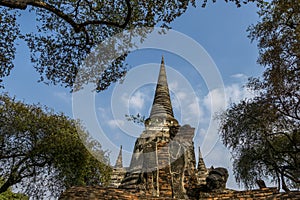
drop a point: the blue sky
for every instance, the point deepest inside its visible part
(220, 29)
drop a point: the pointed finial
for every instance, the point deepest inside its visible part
(162, 59)
(162, 106)
(200, 154)
(119, 162)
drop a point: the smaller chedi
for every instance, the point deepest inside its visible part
(163, 163)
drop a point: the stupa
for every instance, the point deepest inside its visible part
(163, 163)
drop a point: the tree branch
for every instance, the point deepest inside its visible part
(21, 4)
(13, 177)
(78, 27)
(9, 182)
(98, 22)
(12, 156)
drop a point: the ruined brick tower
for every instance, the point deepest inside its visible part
(163, 161)
(163, 164)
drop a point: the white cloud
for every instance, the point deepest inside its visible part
(239, 76)
(181, 96)
(116, 123)
(101, 110)
(177, 98)
(125, 99)
(102, 113)
(194, 112)
(235, 93)
(186, 105)
(137, 100)
(216, 100)
(194, 108)
(173, 86)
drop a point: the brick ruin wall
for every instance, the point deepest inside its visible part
(103, 193)
(170, 176)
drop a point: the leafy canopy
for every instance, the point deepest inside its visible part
(68, 30)
(43, 152)
(263, 132)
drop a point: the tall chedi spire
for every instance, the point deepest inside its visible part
(163, 160)
(162, 108)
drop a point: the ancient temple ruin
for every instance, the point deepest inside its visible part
(163, 163)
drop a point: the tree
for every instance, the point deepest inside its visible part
(9, 195)
(43, 152)
(68, 30)
(263, 132)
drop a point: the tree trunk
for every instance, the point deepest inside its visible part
(278, 180)
(284, 187)
(6, 185)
